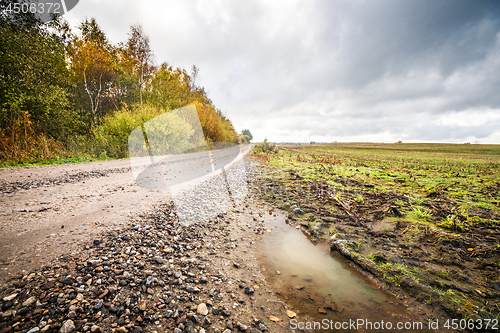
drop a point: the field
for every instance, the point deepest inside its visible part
(423, 218)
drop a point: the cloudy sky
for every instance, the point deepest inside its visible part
(331, 70)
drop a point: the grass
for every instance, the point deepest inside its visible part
(441, 200)
(54, 161)
(420, 174)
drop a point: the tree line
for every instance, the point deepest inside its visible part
(65, 92)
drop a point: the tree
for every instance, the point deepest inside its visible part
(33, 75)
(93, 64)
(137, 59)
(248, 136)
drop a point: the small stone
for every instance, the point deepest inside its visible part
(29, 301)
(67, 326)
(121, 330)
(98, 305)
(262, 327)
(33, 330)
(202, 309)
(9, 298)
(68, 282)
(249, 290)
(23, 311)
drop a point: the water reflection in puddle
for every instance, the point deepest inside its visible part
(319, 286)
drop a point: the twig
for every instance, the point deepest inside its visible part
(346, 209)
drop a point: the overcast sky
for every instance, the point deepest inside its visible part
(331, 70)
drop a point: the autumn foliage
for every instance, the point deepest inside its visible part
(67, 93)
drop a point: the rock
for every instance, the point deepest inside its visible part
(227, 331)
(226, 313)
(249, 290)
(23, 311)
(68, 282)
(33, 330)
(95, 329)
(298, 211)
(202, 309)
(29, 301)
(176, 330)
(121, 330)
(242, 327)
(9, 298)
(67, 326)
(98, 305)
(262, 327)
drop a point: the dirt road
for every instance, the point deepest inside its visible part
(66, 204)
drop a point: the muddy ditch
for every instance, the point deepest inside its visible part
(442, 273)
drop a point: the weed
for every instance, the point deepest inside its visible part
(421, 213)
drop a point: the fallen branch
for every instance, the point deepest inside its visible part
(346, 208)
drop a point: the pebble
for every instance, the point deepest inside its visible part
(9, 298)
(67, 326)
(202, 309)
(29, 301)
(98, 305)
(249, 290)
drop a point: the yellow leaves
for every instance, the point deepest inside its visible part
(275, 319)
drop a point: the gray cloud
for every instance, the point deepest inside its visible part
(332, 70)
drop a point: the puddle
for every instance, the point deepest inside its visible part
(311, 279)
(380, 225)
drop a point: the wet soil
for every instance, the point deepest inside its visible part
(439, 274)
